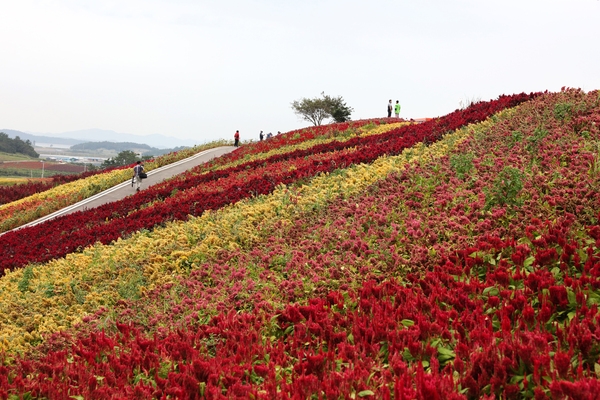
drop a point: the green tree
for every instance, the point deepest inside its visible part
(337, 107)
(320, 108)
(123, 158)
(16, 145)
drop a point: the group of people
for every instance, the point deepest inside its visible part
(261, 137)
(391, 107)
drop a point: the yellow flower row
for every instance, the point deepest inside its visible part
(13, 181)
(43, 299)
(41, 204)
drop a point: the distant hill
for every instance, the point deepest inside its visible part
(40, 139)
(98, 135)
(155, 140)
(16, 146)
(117, 146)
(144, 149)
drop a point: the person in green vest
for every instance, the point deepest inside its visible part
(397, 109)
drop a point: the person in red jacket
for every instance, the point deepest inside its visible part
(237, 138)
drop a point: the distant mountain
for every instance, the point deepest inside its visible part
(116, 146)
(98, 135)
(101, 135)
(40, 139)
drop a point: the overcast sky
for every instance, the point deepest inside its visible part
(198, 69)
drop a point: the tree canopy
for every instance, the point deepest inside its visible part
(16, 145)
(320, 108)
(123, 158)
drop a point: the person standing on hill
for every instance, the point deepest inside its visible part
(390, 108)
(138, 172)
(236, 137)
(397, 109)
(261, 136)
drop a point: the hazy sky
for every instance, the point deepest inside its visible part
(202, 69)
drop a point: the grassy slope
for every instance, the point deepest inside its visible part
(15, 157)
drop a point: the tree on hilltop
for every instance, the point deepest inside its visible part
(125, 157)
(16, 146)
(320, 108)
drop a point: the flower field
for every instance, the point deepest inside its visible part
(457, 258)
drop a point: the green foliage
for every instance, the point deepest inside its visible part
(371, 125)
(320, 108)
(78, 293)
(123, 158)
(116, 146)
(130, 288)
(534, 141)
(505, 189)
(462, 164)
(16, 146)
(23, 284)
(14, 157)
(562, 111)
(516, 137)
(30, 173)
(339, 110)
(49, 289)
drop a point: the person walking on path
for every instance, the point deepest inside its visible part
(397, 109)
(237, 138)
(390, 108)
(138, 172)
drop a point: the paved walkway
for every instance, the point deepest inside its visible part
(125, 189)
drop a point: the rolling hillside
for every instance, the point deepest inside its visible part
(456, 258)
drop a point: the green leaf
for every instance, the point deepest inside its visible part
(528, 262)
(592, 298)
(556, 272)
(289, 330)
(351, 339)
(572, 297)
(366, 393)
(445, 351)
(407, 322)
